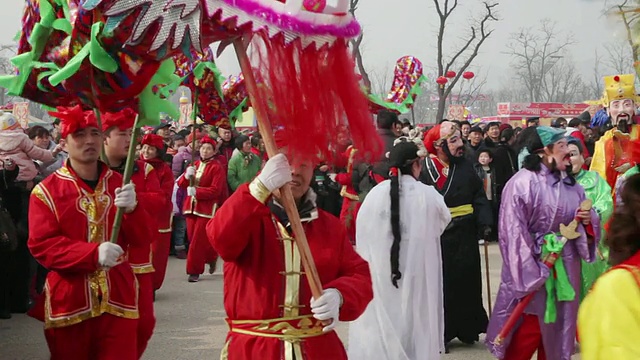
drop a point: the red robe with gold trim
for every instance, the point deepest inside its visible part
(211, 188)
(613, 150)
(351, 203)
(211, 191)
(262, 279)
(160, 247)
(151, 199)
(67, 222)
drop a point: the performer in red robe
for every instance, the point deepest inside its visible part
(152, 153)
(90, 301)
(351, 202)
(118, 129)
(267, 298)
(208, 192)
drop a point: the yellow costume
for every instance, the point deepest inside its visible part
(611, 151)
(609, 317)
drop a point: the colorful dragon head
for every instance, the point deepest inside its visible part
(113, 54)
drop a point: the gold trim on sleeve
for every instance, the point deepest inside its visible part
(259, 191)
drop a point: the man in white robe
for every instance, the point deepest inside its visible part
(405, 320)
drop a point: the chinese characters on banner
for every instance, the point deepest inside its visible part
(456, 112)
(185, 115)
(543, 110)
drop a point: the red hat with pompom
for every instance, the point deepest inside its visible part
(73, 119)
(208, 140)
(153, 140)
(123, 119)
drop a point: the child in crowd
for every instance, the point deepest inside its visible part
(486, 172)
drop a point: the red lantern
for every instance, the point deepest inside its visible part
(442, 80)
(450, 74)
(468, 75)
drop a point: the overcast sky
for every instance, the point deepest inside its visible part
(394, 28)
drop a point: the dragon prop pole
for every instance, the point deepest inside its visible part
(286, 195)
(486, 265)
(103, 155)
(193, 133)
(126, 178)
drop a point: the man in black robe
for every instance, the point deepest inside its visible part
(453, 176)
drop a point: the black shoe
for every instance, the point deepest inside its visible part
(446, 348)
(194, 278)
(5, 314)
(470, 340)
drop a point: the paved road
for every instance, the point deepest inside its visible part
(190, 322)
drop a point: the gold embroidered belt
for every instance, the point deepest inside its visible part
(461, 210)
(291, 329)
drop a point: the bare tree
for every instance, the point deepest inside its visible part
(595, 85)
(564, 83)
(355, 48)
(627, 10)
(619, 58)
(479, 33)
(380, 82)
(470, 90)
(535, 53)
(6, 67)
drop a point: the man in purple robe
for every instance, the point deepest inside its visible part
(535, 202)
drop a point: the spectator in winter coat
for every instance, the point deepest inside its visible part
(15, 144)
(243, 166)
(486, 172)
(475, 143)
(505, 159)
(387, 121)
(257, 147)
(228, 145)
(41, 137)
(183, 158)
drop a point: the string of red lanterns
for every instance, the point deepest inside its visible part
(443, 80)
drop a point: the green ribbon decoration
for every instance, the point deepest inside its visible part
(198, 73)
(557, 284)
(26, 62)
(405, 106)
(151, 105)
(98, 57)
(237, 112)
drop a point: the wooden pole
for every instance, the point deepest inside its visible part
(193, 134)
(486, 266)
(103, 155)
(128, 171)
(286, 196)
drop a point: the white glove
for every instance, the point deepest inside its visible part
(327, 307)
(191, 171)
(276, 173)
(108, 254)
(126, 197)
(191, 191)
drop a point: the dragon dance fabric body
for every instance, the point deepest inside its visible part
(407, 80)
(115, 54)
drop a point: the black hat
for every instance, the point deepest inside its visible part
(585, 117)
(162, 125)
(476, 128)
(532, 119)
